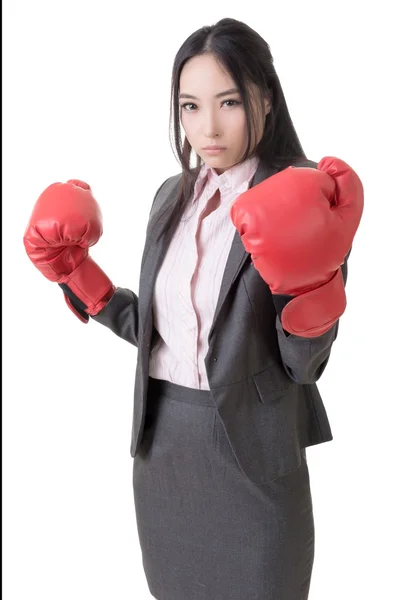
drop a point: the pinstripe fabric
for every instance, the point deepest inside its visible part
(189, 280)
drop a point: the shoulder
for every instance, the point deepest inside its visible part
(163, 191)
(305, 162)
(171, 182)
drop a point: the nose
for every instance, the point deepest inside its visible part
(210, 124)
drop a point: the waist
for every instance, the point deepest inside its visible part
(174, 391)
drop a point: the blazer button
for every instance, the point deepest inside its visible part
(215, 359)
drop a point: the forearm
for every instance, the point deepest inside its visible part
(305, 359)
(121, 315)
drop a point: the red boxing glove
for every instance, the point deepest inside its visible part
(66, 220)
(299, 225)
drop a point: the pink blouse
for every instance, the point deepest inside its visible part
(188, 283)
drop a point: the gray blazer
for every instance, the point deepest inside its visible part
(261, 379)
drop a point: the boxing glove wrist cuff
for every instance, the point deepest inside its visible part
(74, 304)
(90, 285)
(315, 312)
(280, 301)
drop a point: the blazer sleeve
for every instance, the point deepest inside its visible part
(305, 359)
(121, 313)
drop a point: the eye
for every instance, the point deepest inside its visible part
(187, 104)
(191, 104)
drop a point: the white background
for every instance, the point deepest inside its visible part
(86, 95)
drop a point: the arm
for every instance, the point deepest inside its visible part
(299, 226)
(305, 359)
(121, 315)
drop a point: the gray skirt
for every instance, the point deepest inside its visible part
(206, 531)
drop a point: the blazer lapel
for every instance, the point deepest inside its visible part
(154, 254)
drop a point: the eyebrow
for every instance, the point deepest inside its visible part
(230, 91)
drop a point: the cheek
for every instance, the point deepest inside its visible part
(239, 121)
(187, 125)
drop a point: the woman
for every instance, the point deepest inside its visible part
(241, 291)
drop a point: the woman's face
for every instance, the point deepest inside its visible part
(207, 119)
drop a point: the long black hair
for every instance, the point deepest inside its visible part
(246, 56)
